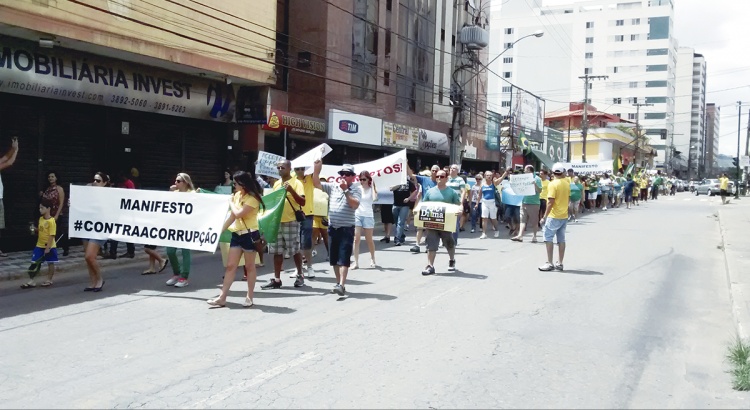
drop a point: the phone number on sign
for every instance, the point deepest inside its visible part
(170, 107)
(135, 102)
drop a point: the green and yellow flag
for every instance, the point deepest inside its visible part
(630, 169)
(270, 219)
(523, 142)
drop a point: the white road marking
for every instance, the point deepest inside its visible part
(243, 386)
(438, 296)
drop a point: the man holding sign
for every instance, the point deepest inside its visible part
(439, 193)
(529, 206)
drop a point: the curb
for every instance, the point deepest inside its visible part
(736, 295)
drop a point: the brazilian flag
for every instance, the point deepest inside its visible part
(523, 142)
(629, 171)
(269, 219)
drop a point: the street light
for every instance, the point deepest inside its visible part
(459, 97)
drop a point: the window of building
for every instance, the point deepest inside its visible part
(508, 31)
(591, 86)
(416, 56)
(652, 84)
(617, 100)
(633, 84)
(365, 51)
(656, 100)
(507, 89)
(657, 52)
(633, 100)
(589, 55)
(618, 115)
(508, 45)
(589, 24)
(507, 74)
(587, 70)
(507, 60)
(655, 116)
(634, 37)
(505, 104)
(619, 38)
(589, 40)
(389, 5)
(635, 22)
(656, 67)
(620, 23)
(387, 78)
(659, 28)
(631, 116)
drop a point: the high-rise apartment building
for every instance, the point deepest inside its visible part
(630, 41)
(711, 152)
(690, 109)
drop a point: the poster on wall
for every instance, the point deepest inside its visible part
(433, 142)
(555, 145)
(401, 136)
(69, 75)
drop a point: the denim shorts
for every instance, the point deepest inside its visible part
(366, 222)
(244, 241)
(340, 242)
(305, 233)
(555, 227)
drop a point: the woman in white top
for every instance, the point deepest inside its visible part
(364, 218)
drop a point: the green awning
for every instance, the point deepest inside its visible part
(546, 160)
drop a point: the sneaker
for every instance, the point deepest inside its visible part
(483, 236)
(461, 229)
(173, 280)
(339, 290)
(452, 265)
(314, 252)
(558, 266)
(396, 243)
(472, 230)
(127, 255)
(428, 270)
(497, 234)
(272, 284)
(604, 209)
(300, 282)
(547, 267)
(181, 283)
(310, 272)
(415, 249)
(286, 255)
(109, 256)
(386, 239)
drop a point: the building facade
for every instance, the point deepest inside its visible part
(631, 42)
(711, 152)
(379, 73)
(127, 89)
(690, 110)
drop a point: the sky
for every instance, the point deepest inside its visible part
(719, 30)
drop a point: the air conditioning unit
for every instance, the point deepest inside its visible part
(474, 37)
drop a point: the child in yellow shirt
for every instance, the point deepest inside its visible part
(46, 248)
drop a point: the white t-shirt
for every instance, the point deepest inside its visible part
(605, 184)
(365, 203)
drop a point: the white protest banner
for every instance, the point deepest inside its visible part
(266, 164)
(590, 167)
(508, 196)
(162, 218)
(523, 184)
(386, 172)
(308, 158)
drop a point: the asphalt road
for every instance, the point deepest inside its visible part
(640, 318)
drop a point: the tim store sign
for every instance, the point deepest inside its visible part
(355, 128)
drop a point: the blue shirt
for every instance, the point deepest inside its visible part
(629, 185)
(488, 192)
(426, 183)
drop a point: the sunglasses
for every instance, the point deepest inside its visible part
(97, 180)
(363, 179)
(348, 175)
(440, 176)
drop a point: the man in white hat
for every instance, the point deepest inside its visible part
(556, 217)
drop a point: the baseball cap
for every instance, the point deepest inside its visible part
(347, 169)
(558, 168)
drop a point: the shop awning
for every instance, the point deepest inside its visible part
(546, 160)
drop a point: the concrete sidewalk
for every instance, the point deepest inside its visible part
(734, 222)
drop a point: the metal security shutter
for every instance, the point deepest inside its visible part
(205, 153)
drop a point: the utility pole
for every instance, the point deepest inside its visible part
(638, 129)
(739, 131)
(585, 125)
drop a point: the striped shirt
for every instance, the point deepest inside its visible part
(340, 214)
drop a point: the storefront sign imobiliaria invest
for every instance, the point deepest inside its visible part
(69, 75)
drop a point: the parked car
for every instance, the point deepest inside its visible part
(711, 187)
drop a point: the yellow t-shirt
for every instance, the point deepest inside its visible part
(307, 184)
(320, 203)
(46, 228)
(288, 214)
(644, 183)
(249, 221)
(724, 183)
(559, 189)
(543, 193)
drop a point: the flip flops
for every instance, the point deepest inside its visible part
(163, 265)
(148, 272)
(28, 286)
(47, 284)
